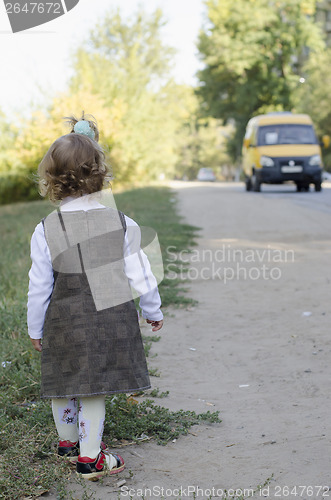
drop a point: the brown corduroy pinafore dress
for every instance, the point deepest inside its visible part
(92, 343)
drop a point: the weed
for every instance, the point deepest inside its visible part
(154, 372)
(85, 492)
(155, 393)
(151, 338)
(131, 421)
(148, 340)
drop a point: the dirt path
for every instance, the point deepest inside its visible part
(256, 357)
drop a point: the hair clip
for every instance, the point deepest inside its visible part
(83, 127)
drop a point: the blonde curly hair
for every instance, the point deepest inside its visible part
(74, 165)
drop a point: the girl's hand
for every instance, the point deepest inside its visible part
(36, 344)
(157, 325)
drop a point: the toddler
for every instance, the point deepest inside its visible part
(81, 315)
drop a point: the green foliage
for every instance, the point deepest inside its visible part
(200, 140)
(131, 421)
(18, 177)
(313, 97)
(148, 341)
(154, 372)
(8, 135)
(133, 47)
(16, 186)
(155, 393)
(150, 127)
(29, 465)
(127, 67)
(121, 76)
(253, 52)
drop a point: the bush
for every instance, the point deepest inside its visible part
(18, 186)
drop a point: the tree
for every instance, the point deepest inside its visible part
(149, 125)
(314, 98)
(200, 140)
(253, 52)
(126, 65)
(8, 134)
(121, 75)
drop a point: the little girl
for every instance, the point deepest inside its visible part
(81, 315)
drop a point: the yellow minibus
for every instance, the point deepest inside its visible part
(281, 147)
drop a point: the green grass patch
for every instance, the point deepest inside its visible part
(29, 464)
(157, 208)
(155, 393)
(148, 342)
(130, 421)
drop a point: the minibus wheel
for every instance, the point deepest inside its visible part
(302, 186)
(256, 183)
(318, 186)
(248, 184)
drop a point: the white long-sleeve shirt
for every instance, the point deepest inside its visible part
(41, 280)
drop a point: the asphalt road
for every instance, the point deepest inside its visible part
(314, 201)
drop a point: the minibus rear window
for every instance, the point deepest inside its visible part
(269, 135)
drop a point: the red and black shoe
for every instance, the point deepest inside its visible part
(105, 463)
(69, 450)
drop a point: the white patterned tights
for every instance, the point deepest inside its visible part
(89, 414)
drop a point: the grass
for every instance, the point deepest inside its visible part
(156, 208)
(29, 465)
